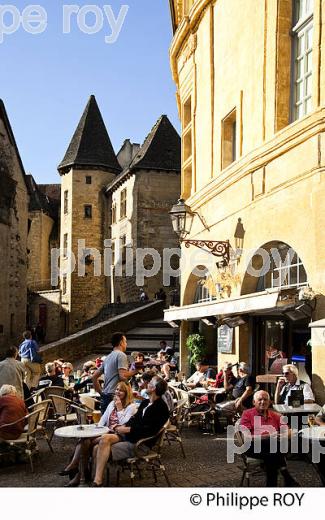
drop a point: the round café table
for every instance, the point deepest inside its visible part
(82, 433)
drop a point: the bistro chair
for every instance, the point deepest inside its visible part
(173, 429)
(145, 458)
(53, 390)
(250, 466)
(63, 414)
(43, 407)
(27, 440)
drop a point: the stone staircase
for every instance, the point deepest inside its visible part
(146, 337)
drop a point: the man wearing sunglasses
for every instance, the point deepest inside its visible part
(290, 381)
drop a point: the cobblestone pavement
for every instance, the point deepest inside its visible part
(205, 465)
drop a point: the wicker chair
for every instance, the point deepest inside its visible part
(27, 440)
(145, 458)
(43, 407)
(177, 419)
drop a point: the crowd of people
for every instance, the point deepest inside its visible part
(135, 400)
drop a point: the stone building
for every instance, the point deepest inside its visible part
(140, 198)
(44, 301)
(13, 236)
(252, 103)
(96, 185)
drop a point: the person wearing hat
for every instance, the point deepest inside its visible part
(225, 377)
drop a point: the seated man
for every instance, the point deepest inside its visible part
(241, 393)
(50, 377)
(203, 372)
(149, 419)
(289, 382)
(12, 409)
(265, 426)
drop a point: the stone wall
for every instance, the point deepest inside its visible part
(38, 244)
(85, 342)
(52, 301)
(13, 240)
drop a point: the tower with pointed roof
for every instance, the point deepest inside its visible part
(141, 197)
(88, 166)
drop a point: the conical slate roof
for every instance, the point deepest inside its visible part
(90, 146)
(161, 149)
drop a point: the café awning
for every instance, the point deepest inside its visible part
(247, 304)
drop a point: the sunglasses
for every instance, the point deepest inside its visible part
(286, 373)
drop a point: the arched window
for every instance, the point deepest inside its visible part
(286, 269)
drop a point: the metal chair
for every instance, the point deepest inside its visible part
(27, 440)
(43, 407)
(145, 458)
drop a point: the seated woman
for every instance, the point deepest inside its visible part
(118, 412)
(12, 409)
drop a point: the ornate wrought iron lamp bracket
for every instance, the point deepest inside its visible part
(216, 248)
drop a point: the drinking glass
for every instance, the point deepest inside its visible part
(96, 416)
(89, 417)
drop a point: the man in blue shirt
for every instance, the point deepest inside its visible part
(30, 357)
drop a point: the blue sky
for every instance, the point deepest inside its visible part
(46, 79)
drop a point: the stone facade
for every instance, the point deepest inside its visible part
(93, 180)
(13, 236)
(244, 154)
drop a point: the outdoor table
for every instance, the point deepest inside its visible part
(82, 433)
(299, 411)
(90, 394)
(202, 391)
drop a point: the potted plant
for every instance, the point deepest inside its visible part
(197, 347)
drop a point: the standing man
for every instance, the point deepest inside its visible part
(30, 357)
(12, 372)
(115, 368)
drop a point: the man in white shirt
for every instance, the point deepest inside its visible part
(290, 382)
(199, 376)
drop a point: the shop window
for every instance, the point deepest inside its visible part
(302, 40)
(229, 141)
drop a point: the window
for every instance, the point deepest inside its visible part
(1, 329)
(229, 143)
(65, 245)
(123, 204)
(88, 211)
(302, 33)
(66, 202)
(187, 148)
(286, 270)
(64, 284)
(113, 252)
(88, 179)
(114, 214)
(123, 249)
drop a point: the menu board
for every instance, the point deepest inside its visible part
(225, 335)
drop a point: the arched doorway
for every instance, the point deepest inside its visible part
(278, 335)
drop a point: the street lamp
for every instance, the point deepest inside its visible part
(182, 219)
